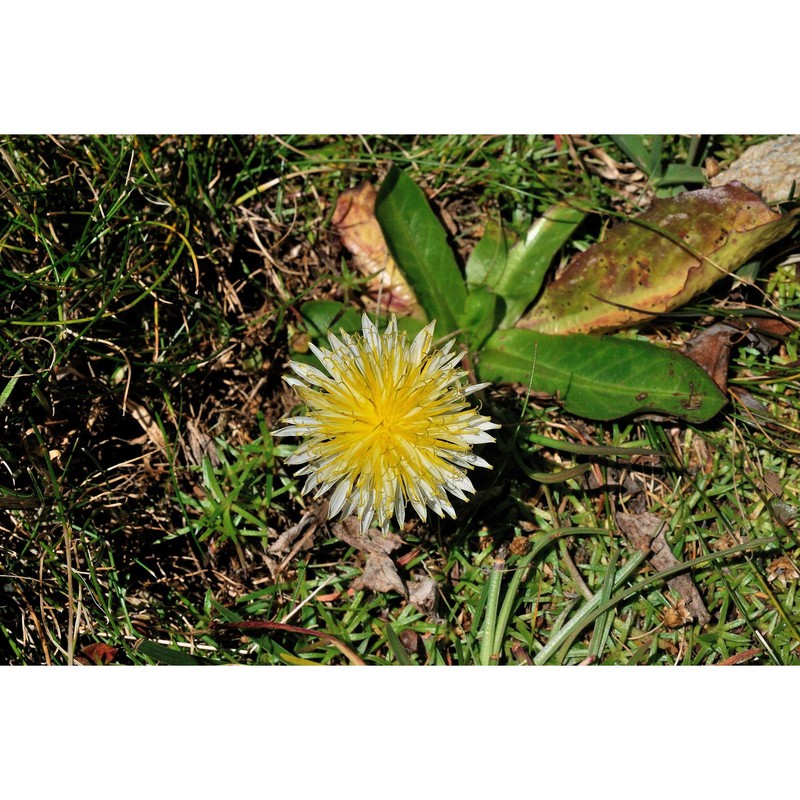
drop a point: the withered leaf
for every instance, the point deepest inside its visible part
(422, 594)
(372, 541)
(199, 445)
(412, 642)
(765, 333)
(782, 570)
(645, 532)
(739, 658)
(659, 260)
(306, 527)
(355, 222)
(772, 481)
(380, 575)
(711, 349)
(150, 427)
(97, 654)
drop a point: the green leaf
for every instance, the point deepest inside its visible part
(320, 315)
(487, 656)
(517, 274)
(489, 256)
(168, 655)
(418, 244)
(528, 261)
(482, 314)
(602, 377)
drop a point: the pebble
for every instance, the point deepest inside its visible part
(767, 168)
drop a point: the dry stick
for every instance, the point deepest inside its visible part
(297, 547)
(37, 625)
(737, 658)
(281, 626)
(70, 596)
(313, 594)
(573, 571)
(275, 181)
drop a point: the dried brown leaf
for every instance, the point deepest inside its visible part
(412, 642)
(97, 654)
(198, 445)
(770, 327)
(765, 333)
(355, 222)
(380, 575)
(380, 572)
(645, 532)
(782, 570)
(143, 416)
(373, 541)
(422, 594)
(738, 658)
(307, 525)
(711, 350)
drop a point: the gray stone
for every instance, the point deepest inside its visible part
(767, 168)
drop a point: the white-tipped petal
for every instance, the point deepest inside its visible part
(292, 381)
(421, 344)
(338, 498)
(290, 431)
(476, 387)
(366, 518)
(400, 508)
(464, 484)
(420, 508)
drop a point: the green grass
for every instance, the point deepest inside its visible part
(148, 306)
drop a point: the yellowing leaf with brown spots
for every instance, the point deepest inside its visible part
(658, 261)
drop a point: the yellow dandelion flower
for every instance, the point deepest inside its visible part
(388, 425)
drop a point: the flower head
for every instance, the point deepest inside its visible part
(388, 425)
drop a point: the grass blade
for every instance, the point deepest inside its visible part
(396, 646)
(487, 653)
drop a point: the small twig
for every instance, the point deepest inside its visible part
(297, 548)
(37, 625)
(71, 630)
(573, 571)
(739, 657)
(310, 597)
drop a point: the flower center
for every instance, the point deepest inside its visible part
(381, 424)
